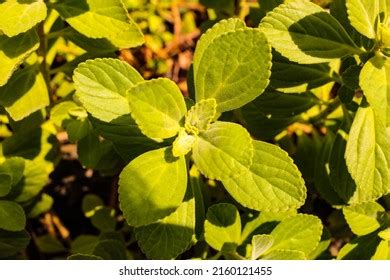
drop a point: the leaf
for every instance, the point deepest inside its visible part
(12, 216)
(361, 248)
(49, 244)
(91, 203)
(110, 250)
(104, 219)
(223, 227)
(25, 93)
(158, 107)
(42, 206)
(272, 183)
(364, 16)
(152, 186)
(385, 234)
(183, 143)
(102, 19)
(223, 151)
(13, 167)
(214, 32)
(5, 184)
(305, 33)
(339, 175)
(368, 156)
(12, 242)
(363, 218)
(375, 83)
(382, 251)
(84, 244)
(170, 236)
(199, 117)
(234, 69)
(14, 50)
(260, 244)
(290, 77)
(101, 86)
(19, 16)
(284, 255)
(301, 233)
(79, 257)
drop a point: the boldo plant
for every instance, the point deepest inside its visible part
(280, 118)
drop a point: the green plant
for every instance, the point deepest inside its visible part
(280, 118)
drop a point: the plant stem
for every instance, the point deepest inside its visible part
(333, 106)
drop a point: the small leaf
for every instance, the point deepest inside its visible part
(375, 83)
(102, 19)
(152, 186)
(19, 16)
(49, 244)
(360, 248)
(234, 69)
(101, 86)
(84, 244)
(385, 234)
(284, 255)
(260, 244)
(12, 216)
(5, 184)
(12, 242)
(183, 143)
(25, 93)
(110, 250)
(272, 183)
(170, 236)
(104, 219)
(91, 203)
(305, 33)
(364, 16)
(14, 50)
(301, 233)
(363, 218)
(223, 151)
(158, 107)
(42, 206)
(223, 227)
(199, 117)
(382, 251)
(368, 156)
(214, 32)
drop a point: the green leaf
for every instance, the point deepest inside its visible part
(101, 86)
(223, 227)
(170, 236)
(301, 233)
(19, 16)
(84, 257)
(223, 151)
(12, 242)
(42, 206)
(12, 216)
(91, 203)
(364, 16)
(84, 244)
(272, 183)
(152, 186)
(284, 255)
(13, 167)
(375, 83)
(217, 30)
(5, 184)
(104, 219)
(14, 50)
(363, 218)
(382, 251)
(158, 107)
(110, 250)
(368, 156)
(59, 114)
(234, 69)
(199, 117)
(102, 19)
(49, 244)
(260, 244)
(361, 248)
(183, 143)
(305, 33)
(25, 93)
(385, 234)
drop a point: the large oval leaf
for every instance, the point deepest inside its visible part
(19, 16)
(171, 236)
(368, 156)
(152, 186)
(102, 19)
(234, 69)
(13, 50)
(158, 107)
(272, 183)
(223, 227)
(101, 86)
(364, 16)
(12, 216)
(223, 151)
(305, 33)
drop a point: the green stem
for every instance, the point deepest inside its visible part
(333, 106)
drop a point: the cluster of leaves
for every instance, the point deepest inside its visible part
(196, 176)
